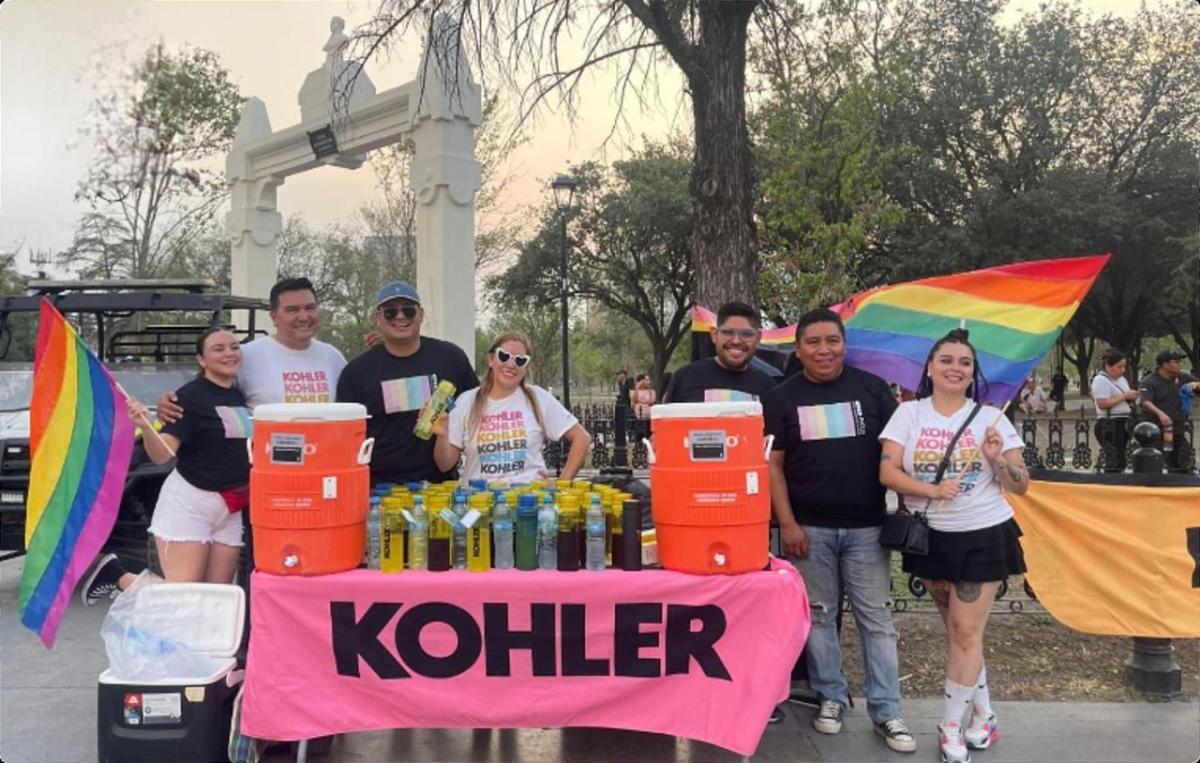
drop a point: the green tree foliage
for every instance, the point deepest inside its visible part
(628, 244)
(1060, 134)
(146, 192)
(19, 332)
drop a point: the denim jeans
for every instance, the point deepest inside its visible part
(853, 556)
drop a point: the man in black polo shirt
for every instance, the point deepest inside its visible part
(1158, 400)
(728, 376)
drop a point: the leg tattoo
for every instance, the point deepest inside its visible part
(967, 591)
(939, 592)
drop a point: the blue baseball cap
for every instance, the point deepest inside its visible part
(397, 290)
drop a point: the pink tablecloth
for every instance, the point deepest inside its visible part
(699, 657)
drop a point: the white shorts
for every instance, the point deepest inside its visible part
(184, 512)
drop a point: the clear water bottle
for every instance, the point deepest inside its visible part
(373, 534)
(595, 527)
(502, 534)
(548, 535)
(418, 536)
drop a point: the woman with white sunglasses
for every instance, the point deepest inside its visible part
(501, 426)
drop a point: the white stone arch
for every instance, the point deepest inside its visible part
(438, 111)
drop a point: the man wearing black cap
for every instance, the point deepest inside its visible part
(1159, 401)
(395, 378)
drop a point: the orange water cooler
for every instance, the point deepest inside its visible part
(309, 487)
(709, 486)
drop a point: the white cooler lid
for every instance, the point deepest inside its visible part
(206, 617)
(310, 412)
(706, 410)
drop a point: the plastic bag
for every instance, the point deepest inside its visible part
(136, 649)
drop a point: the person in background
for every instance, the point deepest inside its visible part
(1058, 387)
(197, 526)
(973, 539)
(729, 375)
(624, 387)
(642, 397)
(1159, 402)
(830, 506)
(502, 425)
(395, 378)
(1113, 399)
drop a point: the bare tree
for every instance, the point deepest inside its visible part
(147, 197)
(543, 48)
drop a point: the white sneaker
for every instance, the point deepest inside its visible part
(829, 717)
(951, 745)
(982, 732)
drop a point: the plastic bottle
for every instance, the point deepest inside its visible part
(479, 534)
(391, 556)
(418, 536)
(568, 533)
(617, 541)
(460, 542)
(440, 534)
(502, 534)
(595, 529)
(438, 404)
(631, 536)
(547, 529)
(373, 534)
(527, 532)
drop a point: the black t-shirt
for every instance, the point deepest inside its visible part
(1164, 393)
(212, 436)
(829, 434)
(394, 390)
(690, 382)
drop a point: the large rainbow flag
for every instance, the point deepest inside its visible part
(1014, 314)
(80, 442)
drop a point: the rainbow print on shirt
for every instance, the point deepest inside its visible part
(236, 420)
(728, 396)
(830, 421)
(407, 394)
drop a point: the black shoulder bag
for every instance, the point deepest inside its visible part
(908, 531)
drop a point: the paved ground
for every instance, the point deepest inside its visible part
(48, 715)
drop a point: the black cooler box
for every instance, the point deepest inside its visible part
(183, 719)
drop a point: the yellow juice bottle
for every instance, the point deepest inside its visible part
(479, 535)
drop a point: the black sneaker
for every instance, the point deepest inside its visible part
(897, 735)
(829, 717)
(776, 715)
(101, 583)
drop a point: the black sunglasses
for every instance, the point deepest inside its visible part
(520, 361)
(408, 311)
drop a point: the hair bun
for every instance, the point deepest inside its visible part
(958, 335)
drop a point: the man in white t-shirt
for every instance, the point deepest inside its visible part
(291, 365)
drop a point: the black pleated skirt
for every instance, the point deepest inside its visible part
(978, 556)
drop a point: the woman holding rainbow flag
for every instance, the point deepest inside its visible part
(196, 526)
(973, 539)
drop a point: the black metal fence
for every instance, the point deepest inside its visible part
(1062, 440)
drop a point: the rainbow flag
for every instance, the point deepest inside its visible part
(80, 442)
(1013, 312)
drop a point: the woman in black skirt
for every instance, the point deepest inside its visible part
(973, 542)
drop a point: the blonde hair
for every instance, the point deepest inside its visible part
(489, 381)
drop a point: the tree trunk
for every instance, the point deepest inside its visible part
(724, 242)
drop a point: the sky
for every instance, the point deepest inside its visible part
(55, 55)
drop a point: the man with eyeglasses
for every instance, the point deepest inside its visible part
(395, 378)
(729, 375)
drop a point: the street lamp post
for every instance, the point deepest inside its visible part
(564, 193)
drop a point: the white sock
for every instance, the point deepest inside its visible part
(958, 697)
(981, 699)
